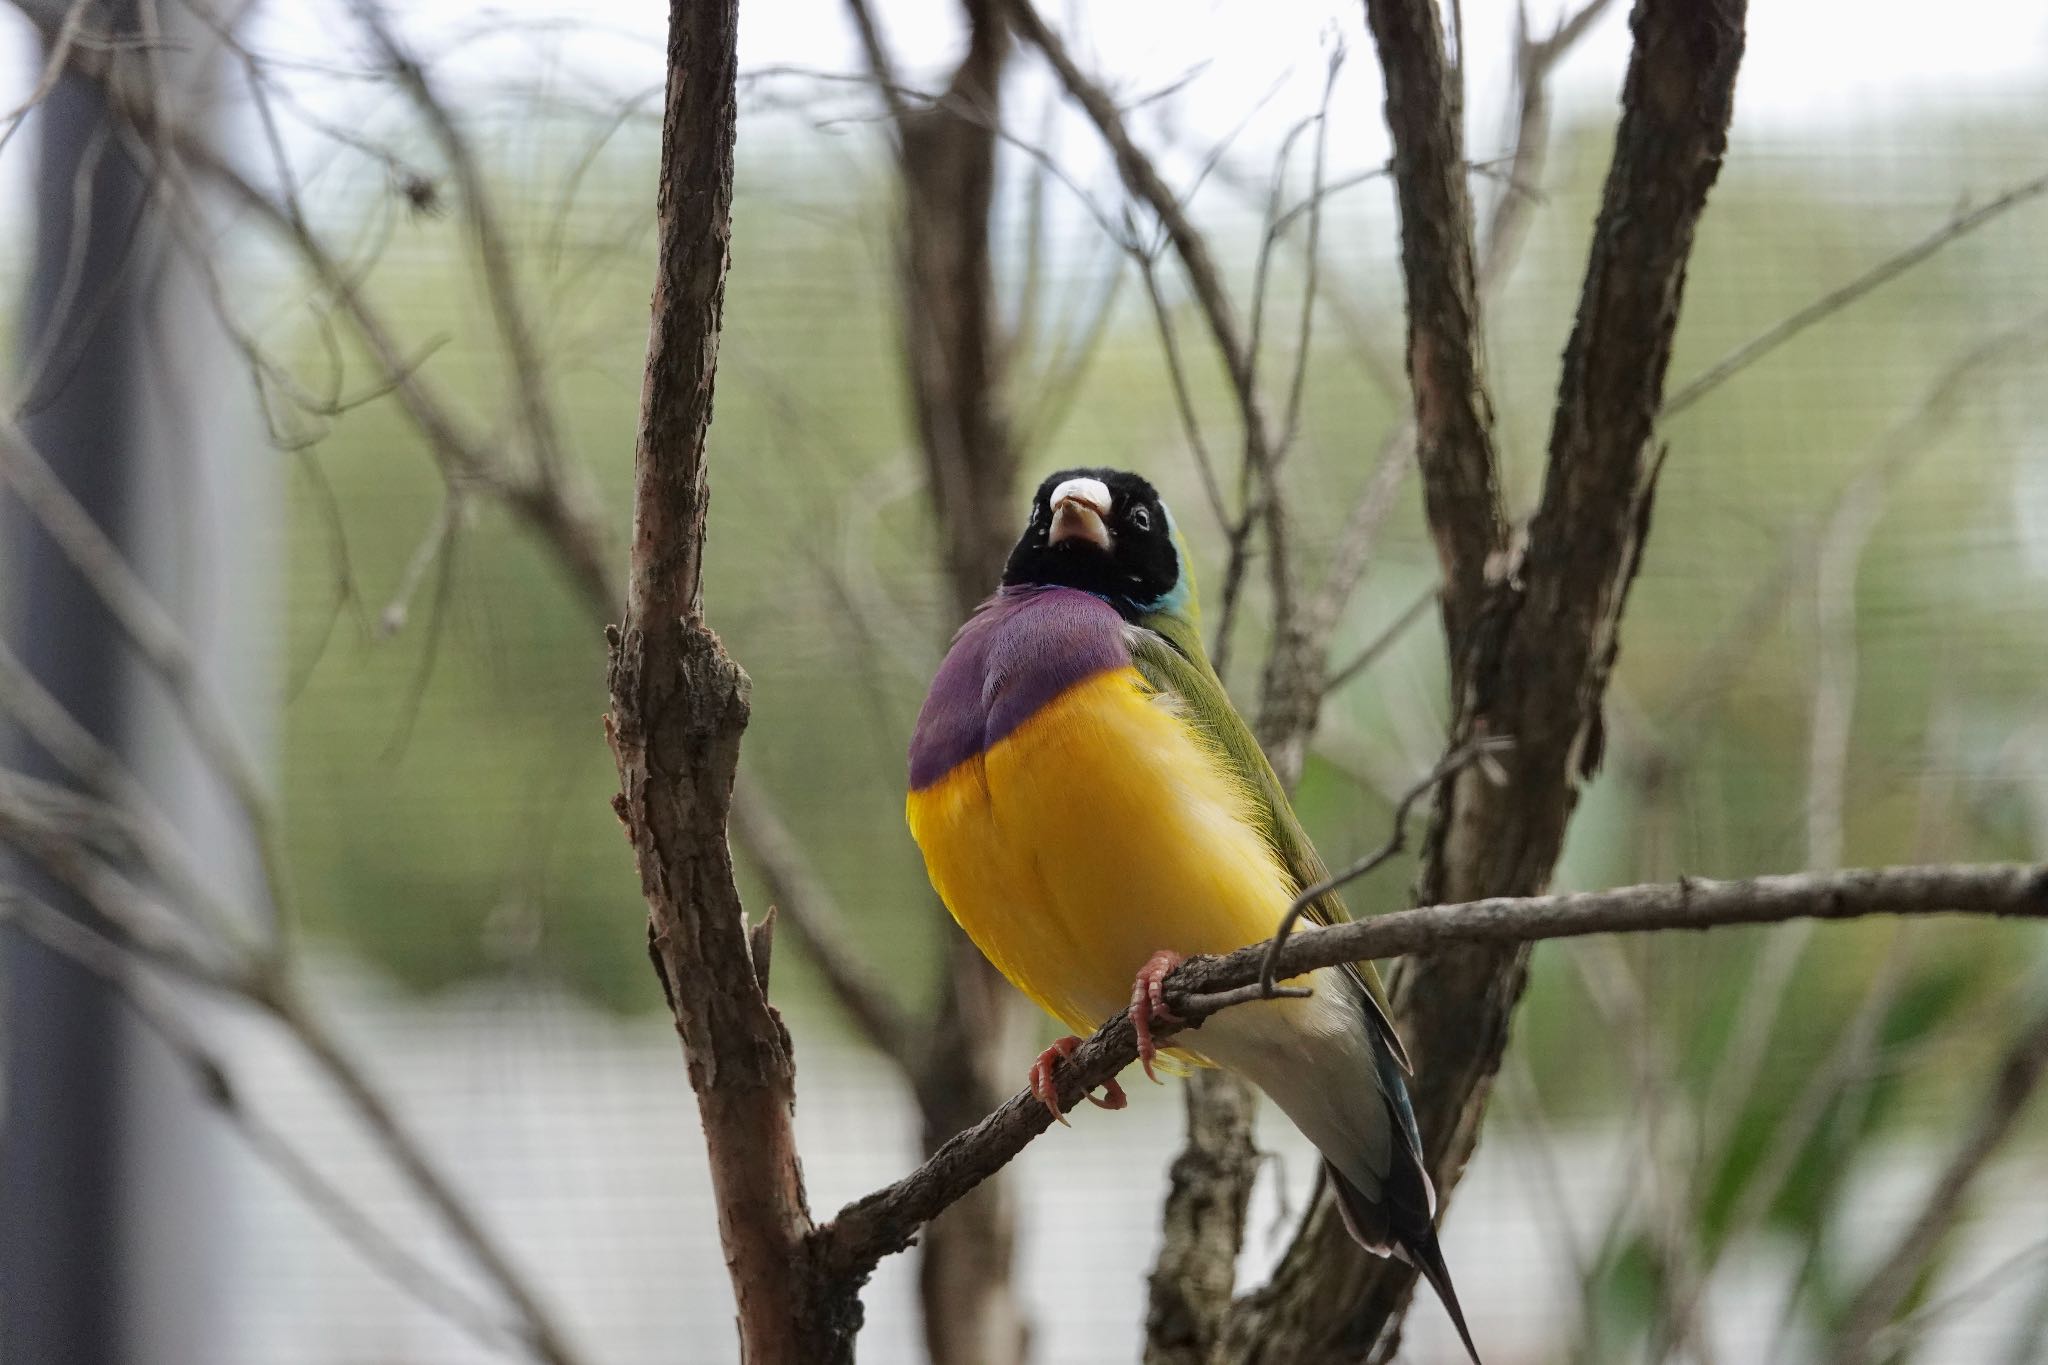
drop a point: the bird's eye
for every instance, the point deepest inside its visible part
(1141, 518)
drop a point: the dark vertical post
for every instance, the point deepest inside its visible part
(59, 1128)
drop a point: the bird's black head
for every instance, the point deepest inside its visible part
(1103, 531)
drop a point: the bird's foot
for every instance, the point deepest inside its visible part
(1149, 1009)
(1048, 1091)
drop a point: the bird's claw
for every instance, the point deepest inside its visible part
(1045, 1086)
(1149, 1008)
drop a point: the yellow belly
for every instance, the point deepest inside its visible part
(1095, 834)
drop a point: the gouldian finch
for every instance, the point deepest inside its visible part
(1091, 808)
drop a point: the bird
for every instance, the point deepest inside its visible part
(1092, 809)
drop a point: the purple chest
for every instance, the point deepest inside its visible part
(1022, 649)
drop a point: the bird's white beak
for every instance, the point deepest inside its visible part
(1078, 507)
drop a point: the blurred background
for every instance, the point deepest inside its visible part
(356, 677)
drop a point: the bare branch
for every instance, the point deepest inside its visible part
(1895, 455)
(952, 347)
(381, 1251)
(68, 33)
(1453, 762)
(1297, 387)
(528, 377)
(434, 547)
(466, 458)
(957, 356)
(1883, 273)
(1297, 674)
(2013, 1084)
(1295, 686)
(1183, 398)
(79, 842)
(678, 707)
(1372, 651)
(1453, 414)
(1535, 60)
(156, 638)
(884, 1222)
(70, 836)
(1529, 659)
(537, 1322)
(1657, 1196)
(813, 915)
(877, 54)
(1209, 1187)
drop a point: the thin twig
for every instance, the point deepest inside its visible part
(1415, 611)
(1883, 273)
(156, 639)
(1616, 990)
(2013, 1084)
(434, 547)
(579, 542)
(380, 1250)
(1183, 399)
(1896, 454)
(60, 44)
(531, 391)
(63, 831)
(1536, 60)
(1290, 426)
(537, 1324)
(1397, 840)
(877, 55)
(1976, 1291)
(78, 841)
(813, 915)
(1143, 182)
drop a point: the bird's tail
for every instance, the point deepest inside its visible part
(1399, 1225)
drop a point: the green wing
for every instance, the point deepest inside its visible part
(1168, 653)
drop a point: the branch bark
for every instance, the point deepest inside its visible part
(678, 707)
(953, 349)
(1446, 370)
(1530, 650)
(886, 1221)
(1209, 1187)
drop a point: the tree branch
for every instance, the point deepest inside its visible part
(1142, 180)
(951, 344)
(1531, 660)
(956, 357)
(1835, 300)
(383, 1252)
(886, 1221)
(528, 374)
(678, 707)
(1453, 415)
(2018, 1076)
(813, 915)
(1209, 1187)
(466, 458)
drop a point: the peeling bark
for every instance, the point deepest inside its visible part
(1531, 645)
(678, 709)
